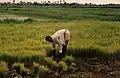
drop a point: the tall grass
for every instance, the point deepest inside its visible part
(86, 37)
(94, 31)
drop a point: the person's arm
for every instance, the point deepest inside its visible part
(53, 45)
(60, 48)
(59, 45)
(53, 48)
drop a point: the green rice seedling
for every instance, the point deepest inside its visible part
(19, 64)
(3, 66)
(69, 60)
(42, 72)
(51, 63)
(36, 64)
(43, 68)
(62, 66)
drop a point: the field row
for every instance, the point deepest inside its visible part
(28, 38)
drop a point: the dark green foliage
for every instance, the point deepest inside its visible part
(117, 54)
(10, 21)
(12, 59)
(75, 52)
(14, 21)
(1, 75)
(93, 52)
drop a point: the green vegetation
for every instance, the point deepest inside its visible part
(14, 21)
(28, 38)
(94, 32)
(59, 13)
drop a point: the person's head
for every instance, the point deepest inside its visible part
(48, 38)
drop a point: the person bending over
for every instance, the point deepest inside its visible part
(60, 37)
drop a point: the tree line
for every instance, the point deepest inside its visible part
(63, 4)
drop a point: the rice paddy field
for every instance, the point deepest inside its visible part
(23, 29)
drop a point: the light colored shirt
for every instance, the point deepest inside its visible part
(60, 37)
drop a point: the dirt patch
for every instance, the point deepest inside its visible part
(96, 68)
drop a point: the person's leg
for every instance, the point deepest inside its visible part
(53, 52)
(66, 42)
(64, 50)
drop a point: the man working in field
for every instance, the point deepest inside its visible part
(61, 37)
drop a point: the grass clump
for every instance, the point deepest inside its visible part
(3, 66)
(69, 60)
(16, 21)
(40, 71)
(10, 21)
(51, 63)
(21, 65)
(43, 68)
(63, 66)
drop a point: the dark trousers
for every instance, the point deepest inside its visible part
(64, 50)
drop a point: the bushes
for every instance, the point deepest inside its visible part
(10, 21)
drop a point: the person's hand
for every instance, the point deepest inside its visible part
(60, 51)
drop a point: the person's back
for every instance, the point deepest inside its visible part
(60, 37)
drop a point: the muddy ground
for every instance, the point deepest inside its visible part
(86, 67)
(96, 68)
